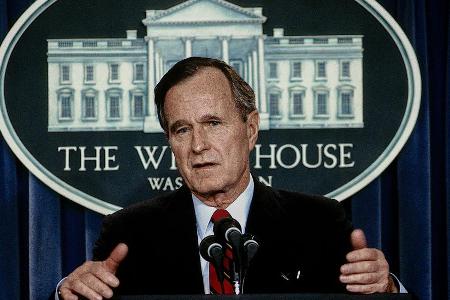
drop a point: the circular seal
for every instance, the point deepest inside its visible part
(337, 86)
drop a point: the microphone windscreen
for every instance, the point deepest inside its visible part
(205, 246)
(251, 246)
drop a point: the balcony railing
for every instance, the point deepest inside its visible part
(95, 44)
(314, 40)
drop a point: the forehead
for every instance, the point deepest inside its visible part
(208, 86)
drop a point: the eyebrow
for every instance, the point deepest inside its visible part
(208, 117)
(204, 118)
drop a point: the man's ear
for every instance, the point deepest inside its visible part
(252, 129)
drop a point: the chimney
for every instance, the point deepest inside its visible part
(131, 34)
(278, 32)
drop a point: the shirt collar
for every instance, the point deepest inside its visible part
(238, 209)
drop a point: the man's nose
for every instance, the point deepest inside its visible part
(200, 141)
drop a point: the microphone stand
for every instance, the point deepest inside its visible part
(237, 283)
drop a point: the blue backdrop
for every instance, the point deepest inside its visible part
(405, 212)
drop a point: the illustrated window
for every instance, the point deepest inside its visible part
(273, 70)
(274, 100)
(65, 74)
(321, 70)
(296, 71)
(139, 72)
(114, 75)
(88, 73)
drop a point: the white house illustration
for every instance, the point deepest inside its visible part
(107, 84)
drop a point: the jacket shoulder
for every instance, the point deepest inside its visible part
(303, 203)
(153, 208)
(143, 218)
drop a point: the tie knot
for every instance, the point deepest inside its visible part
(220, 214)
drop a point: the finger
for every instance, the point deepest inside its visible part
(97, 285)
(105, 276)
(66, 294)
(366, 288)
(363, 278)
(83, 290)
(360, 267)
(358, 239)
(116, 257)
(364, 254)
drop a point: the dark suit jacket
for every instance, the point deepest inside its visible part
(297, 232)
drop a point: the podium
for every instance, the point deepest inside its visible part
(271, 297)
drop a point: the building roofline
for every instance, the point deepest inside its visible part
(251, 12)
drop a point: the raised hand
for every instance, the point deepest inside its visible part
(367, 270)
(94, 279)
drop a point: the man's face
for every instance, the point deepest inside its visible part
(209, 139)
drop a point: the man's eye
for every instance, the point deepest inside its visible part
(181, 130)
(214, 123)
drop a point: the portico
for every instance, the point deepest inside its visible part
(227, 32)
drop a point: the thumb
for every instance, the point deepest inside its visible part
(116, 257)
(358, 239)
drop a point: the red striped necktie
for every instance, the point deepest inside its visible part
(226, 287)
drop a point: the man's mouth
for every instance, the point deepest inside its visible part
(203, 165)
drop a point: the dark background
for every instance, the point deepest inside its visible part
(405, 211)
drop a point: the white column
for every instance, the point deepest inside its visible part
(262, 75)
(245, 66)
(187, 47)
(161, 66)
(250, 71)
(255, 79)
(225, 50)
(151, 123)
(151, 76)
(157, 67)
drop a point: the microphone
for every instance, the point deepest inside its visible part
(211, 250)
(251, 246)
(229, 230)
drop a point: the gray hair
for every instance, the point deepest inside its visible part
(243, 94)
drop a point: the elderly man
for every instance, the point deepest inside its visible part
(209, 116)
